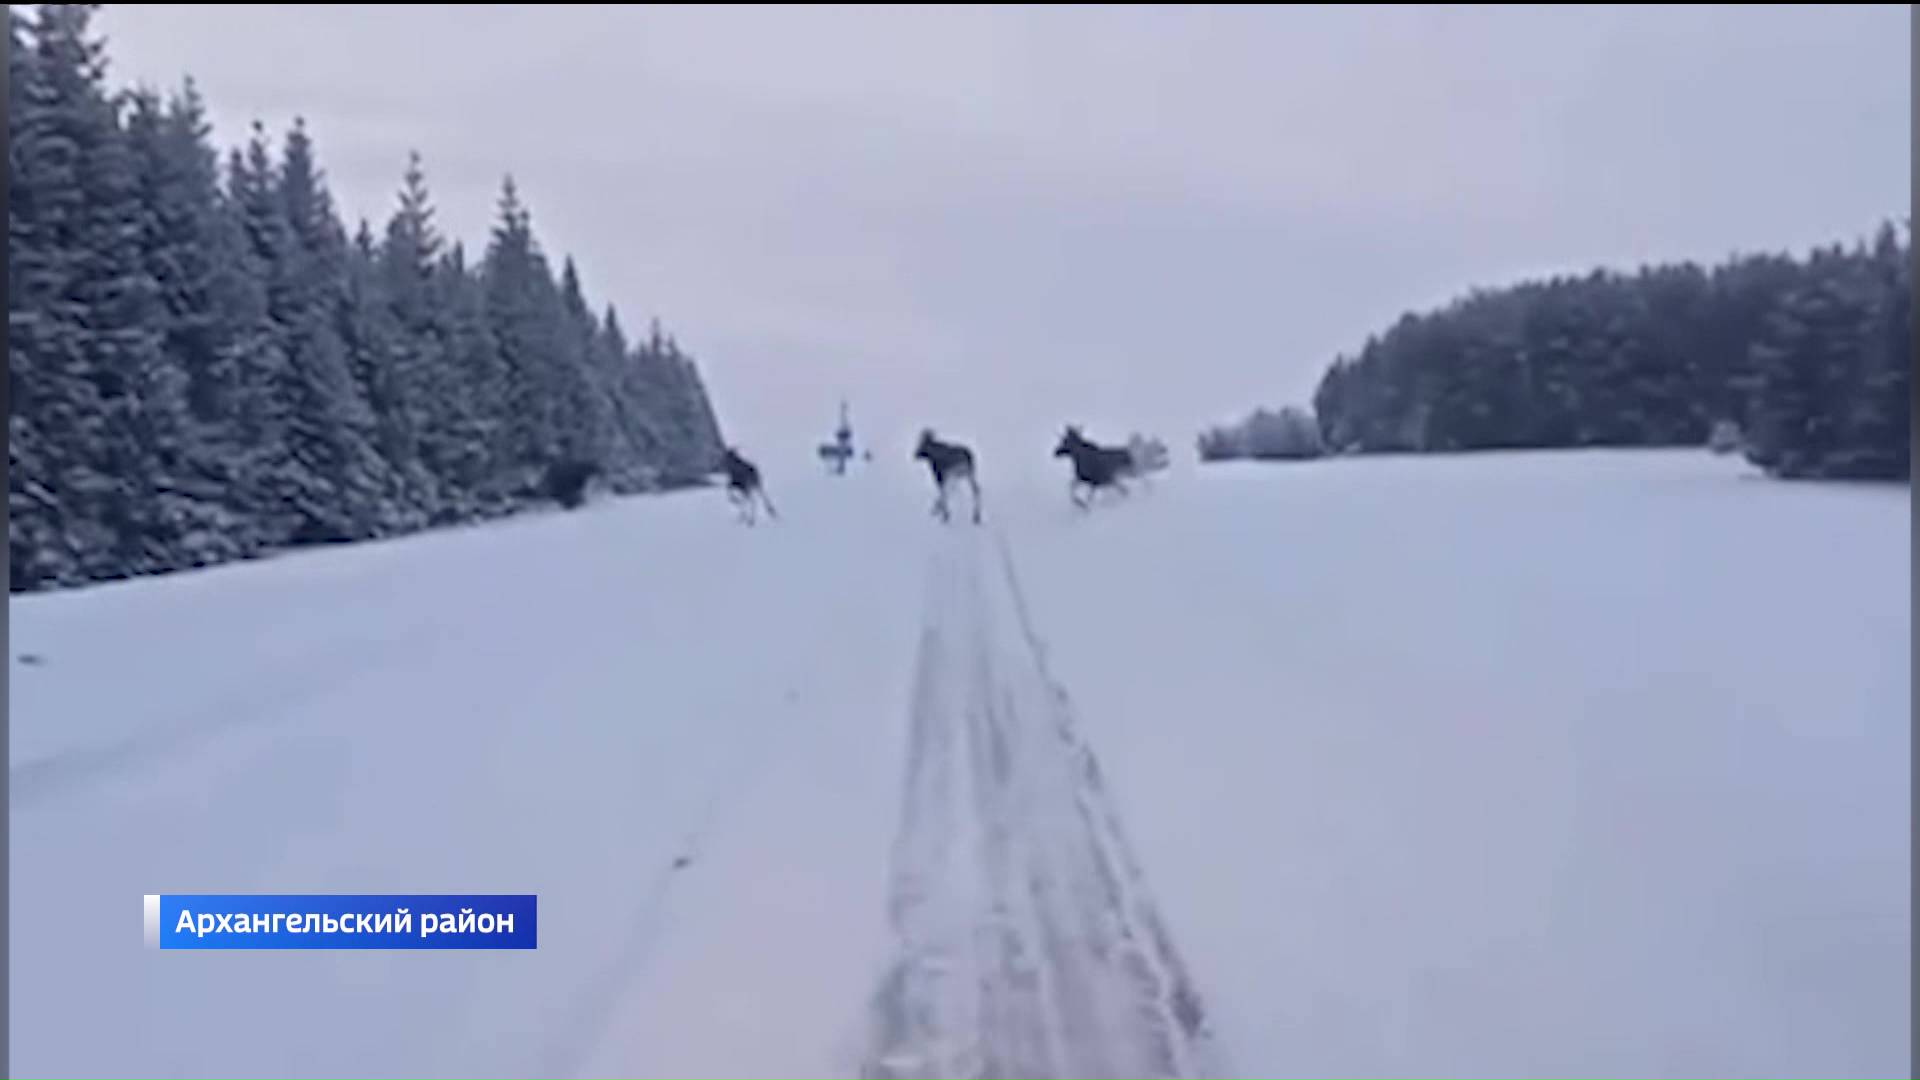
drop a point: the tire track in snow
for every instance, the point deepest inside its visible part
(592, 1008)
(1026, 941)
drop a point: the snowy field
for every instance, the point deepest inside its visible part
(1534, 764)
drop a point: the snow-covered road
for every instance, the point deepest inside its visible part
(1511, 764)
(1027, 942)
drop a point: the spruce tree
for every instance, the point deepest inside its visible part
(1804, 360)
(411, 395)
(106, 401)
(202, 366)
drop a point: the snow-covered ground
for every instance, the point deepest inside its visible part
(1512, 764)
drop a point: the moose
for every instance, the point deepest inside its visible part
(1095, 467)
(743, 485)
(950, 463)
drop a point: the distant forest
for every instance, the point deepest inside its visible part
(205, 364)
(1803, 364)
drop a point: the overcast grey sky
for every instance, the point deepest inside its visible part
(996, 219)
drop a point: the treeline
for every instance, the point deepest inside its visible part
(1811, 358)
(1289, 434)
(204, 364)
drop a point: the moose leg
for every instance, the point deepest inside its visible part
(975, 486)
(771, 512)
